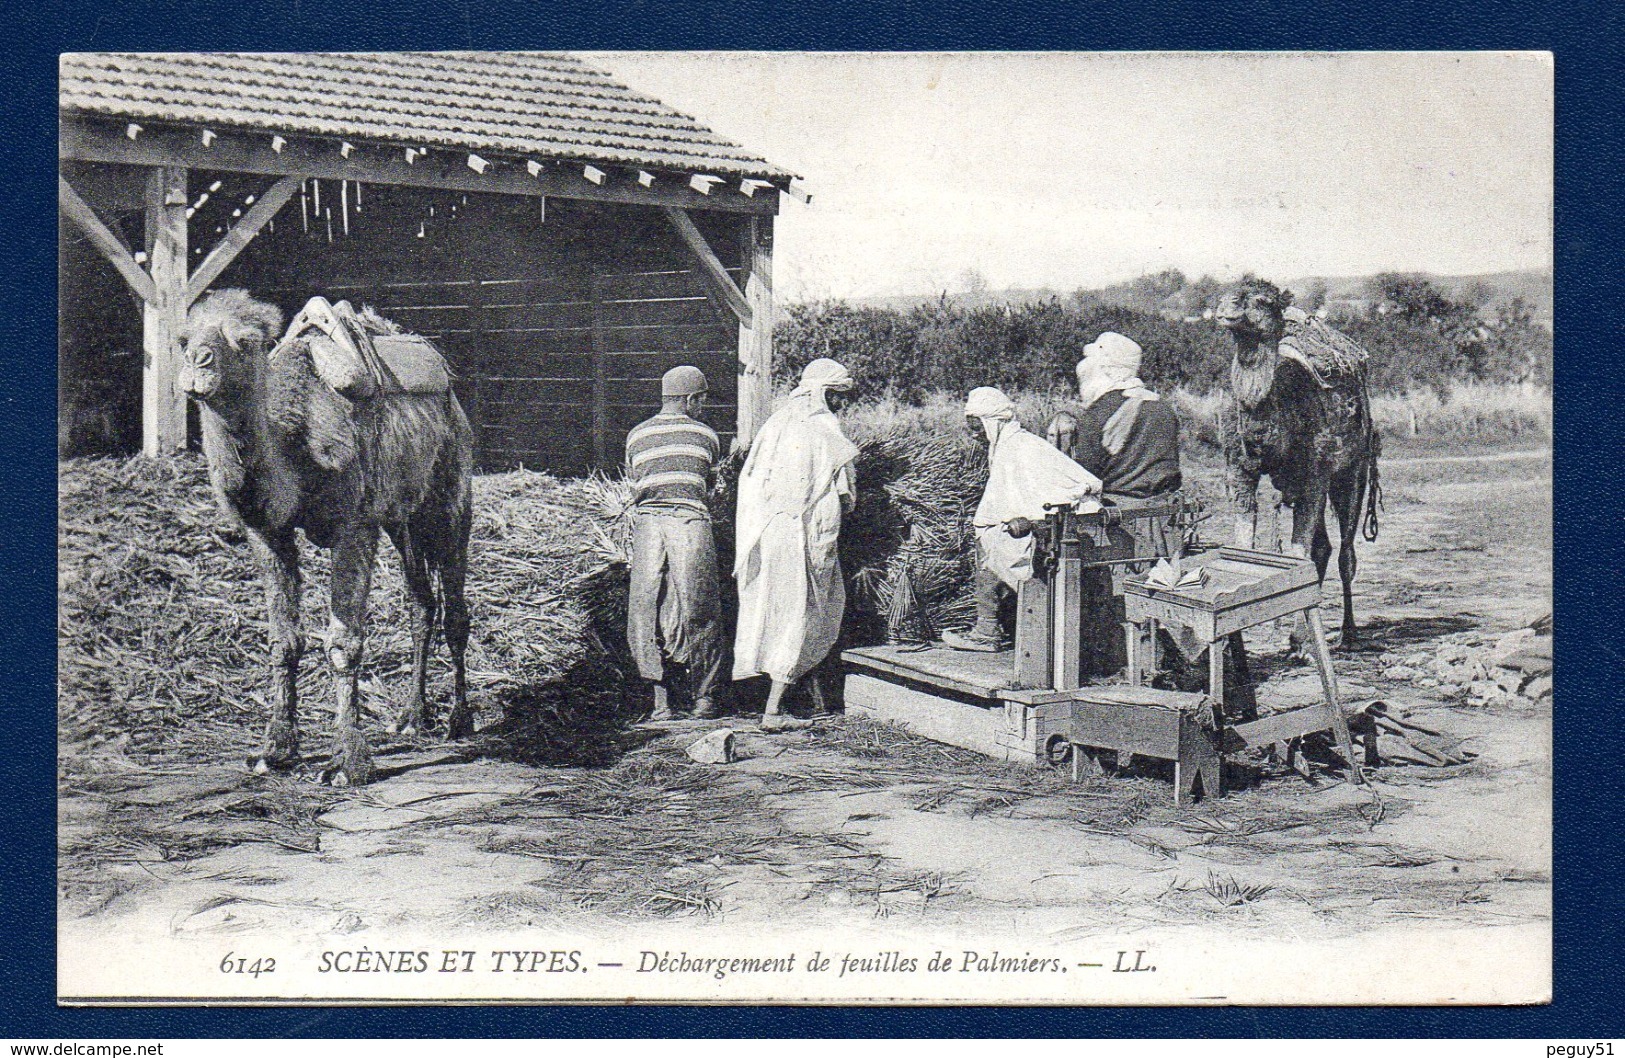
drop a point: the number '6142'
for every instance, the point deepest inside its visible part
(232, 964)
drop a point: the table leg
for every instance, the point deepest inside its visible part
(1328, 683)
(1131, 637)
(1246, 696)
(1215, 671)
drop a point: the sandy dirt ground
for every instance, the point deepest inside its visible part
(853, 823)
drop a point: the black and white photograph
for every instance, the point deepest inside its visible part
(833, 528)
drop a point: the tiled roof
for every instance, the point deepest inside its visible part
(533, 104)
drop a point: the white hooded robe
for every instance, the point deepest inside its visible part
(1024, 473)
(792, 492)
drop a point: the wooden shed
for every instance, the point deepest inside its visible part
(565, 239)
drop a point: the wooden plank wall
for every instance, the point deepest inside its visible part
(553, 373)
(558, 332)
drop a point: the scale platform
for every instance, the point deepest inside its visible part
(967, 699)
(958, 697)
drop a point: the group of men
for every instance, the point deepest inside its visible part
(1121, 447)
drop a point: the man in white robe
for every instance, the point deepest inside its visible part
(795, 488)
(1024, 474)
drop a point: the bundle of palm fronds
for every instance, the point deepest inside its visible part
(907, 547)
(910, 534)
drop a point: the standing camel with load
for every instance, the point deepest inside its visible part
(1303, 417)
(288, 451)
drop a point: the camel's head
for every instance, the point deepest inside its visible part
(1252, 310)
(226, 338)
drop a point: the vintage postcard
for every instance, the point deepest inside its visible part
(817, 528)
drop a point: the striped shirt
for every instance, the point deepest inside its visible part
(669, 460)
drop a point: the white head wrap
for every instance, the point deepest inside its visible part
(1111, 363)
(993, 408)
(821, 375)
(985, 402)
(1114, 352)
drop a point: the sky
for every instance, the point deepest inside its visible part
(1065, 170)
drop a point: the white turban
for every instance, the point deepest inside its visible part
(1113, 353)
(820, 375)
(1111, 363)
(985, 402)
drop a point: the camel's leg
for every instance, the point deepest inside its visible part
(1308, 540)
(351, 762)
(1320, 547)
(1244, 487)
(278, 558)
(453, 578)
(415, 715)
(1346, 498)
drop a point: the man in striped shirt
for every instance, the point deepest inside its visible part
(674, 610)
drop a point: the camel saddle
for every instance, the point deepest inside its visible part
(1321, 349)
(359, 361)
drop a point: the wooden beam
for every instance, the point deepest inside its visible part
(105, 239)
(715, 273)
(89, 140)
(756, 332)
(163, 406)
(240, 235)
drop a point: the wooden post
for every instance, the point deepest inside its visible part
(163, 406)
(1339, 723)
(756, 338)
(600, 380)
(1034, 635)
(1067, 654)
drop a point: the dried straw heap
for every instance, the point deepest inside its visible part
(161, 620)
(162, 631)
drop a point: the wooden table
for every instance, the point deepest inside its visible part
(1243, 589)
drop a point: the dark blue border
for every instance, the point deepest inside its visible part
(1585, 34)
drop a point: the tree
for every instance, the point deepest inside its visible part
(1518, 348)
(974, 287)
(1314, 296)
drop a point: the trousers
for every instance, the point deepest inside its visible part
(989, 592)
(674, 608)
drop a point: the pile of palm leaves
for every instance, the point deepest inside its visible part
(162, 630)
(907, 547)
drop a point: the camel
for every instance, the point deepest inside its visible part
(286, 452)
(1303, 417)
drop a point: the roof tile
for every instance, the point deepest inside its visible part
(506, 102)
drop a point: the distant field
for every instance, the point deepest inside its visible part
(1470, 417)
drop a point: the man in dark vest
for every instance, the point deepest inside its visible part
(1124, 434)
(1128, 437)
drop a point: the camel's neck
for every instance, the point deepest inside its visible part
(236, 439)
(1252, 372)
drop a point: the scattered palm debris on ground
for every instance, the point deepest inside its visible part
(1487, 669)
